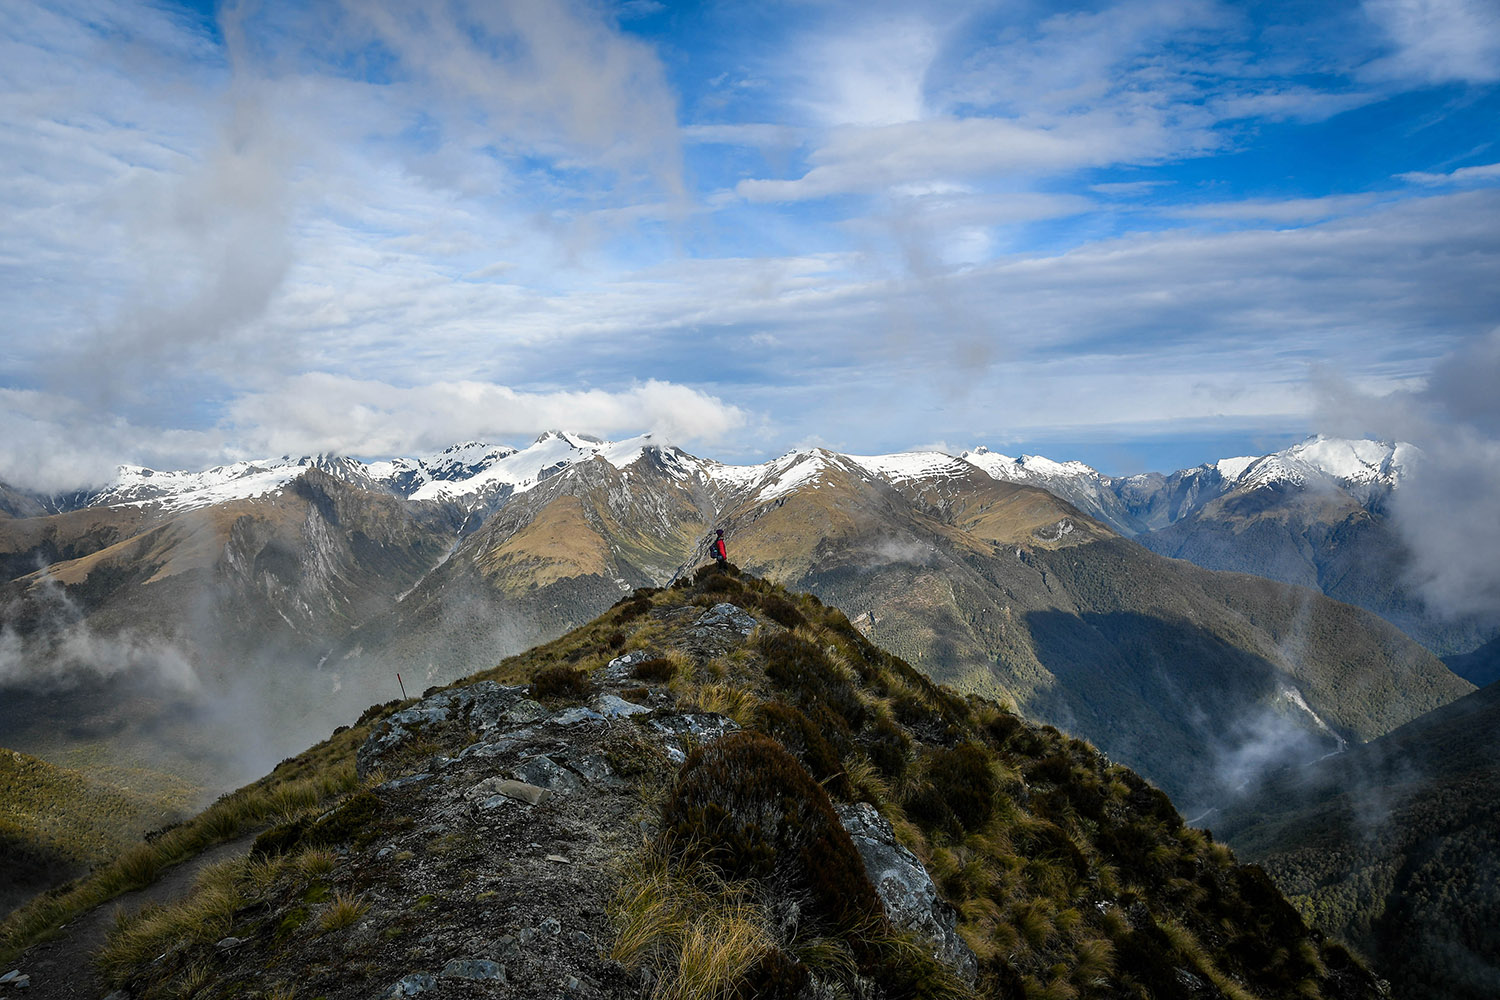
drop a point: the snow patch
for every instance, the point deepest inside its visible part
(791, 471)
(908, 465)
(1233, 468)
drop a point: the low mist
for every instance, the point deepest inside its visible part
(202, 706)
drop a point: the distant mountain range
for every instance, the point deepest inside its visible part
(1316, 514)
(263, 599)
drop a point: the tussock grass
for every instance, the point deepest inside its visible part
(699, 934)
(716, 953)
(1192, 951)
(724, 699)
(343, 910)
(193, 981)
(315, 861)
(203, 917)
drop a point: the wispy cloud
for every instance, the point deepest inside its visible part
(893, 223)
(1438, 41)
(1463, 175)
(325, 412)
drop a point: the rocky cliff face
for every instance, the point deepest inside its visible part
(715, 790)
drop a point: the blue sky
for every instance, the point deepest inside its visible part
(1144, 234)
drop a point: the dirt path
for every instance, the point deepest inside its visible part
(61, 969)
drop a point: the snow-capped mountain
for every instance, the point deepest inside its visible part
(181, 490)
(1353, 465)
(477, 475)
(471, 474)
(1149, 501)
(345, 574)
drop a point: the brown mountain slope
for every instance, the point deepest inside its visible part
(1196, 678)
(315, 599)
(194, 636)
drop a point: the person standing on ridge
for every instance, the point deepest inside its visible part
(716, 549)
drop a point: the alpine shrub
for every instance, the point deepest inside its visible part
(352, 822)
(711, 579)
(658, 668)
(632, 607)
(279, 839)
(963, 778)
(792, 728)
(746, 807)
(780, 610)
(559, 682)
(1001, 728)
(803, 670)
(888, 747)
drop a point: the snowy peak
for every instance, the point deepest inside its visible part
(795, 470)
(1027, 468)
(909, 465)
(478, 474)
(136, 485)
(1319, 460)
(463, 461)
(582, 442)
(550, 454)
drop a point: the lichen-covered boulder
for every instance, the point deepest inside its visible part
(907, 892)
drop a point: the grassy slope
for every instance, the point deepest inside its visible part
(55, 822)
(1072, 877)
(313, 778)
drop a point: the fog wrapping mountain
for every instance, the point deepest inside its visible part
(1395, 847)
(719, 789)
(229, 609)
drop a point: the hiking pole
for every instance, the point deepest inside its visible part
(403, 685)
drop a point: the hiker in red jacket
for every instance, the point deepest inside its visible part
(716, 549)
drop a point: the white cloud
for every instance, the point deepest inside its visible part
(871, 72)
(1285, 210)
(954, 149)
(1445, 508)
(325, 412)
(1463, 175)
(51, 444)
(1127, 189)
(554, 79)
(1437, 41)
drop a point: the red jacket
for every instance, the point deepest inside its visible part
(717, 548)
